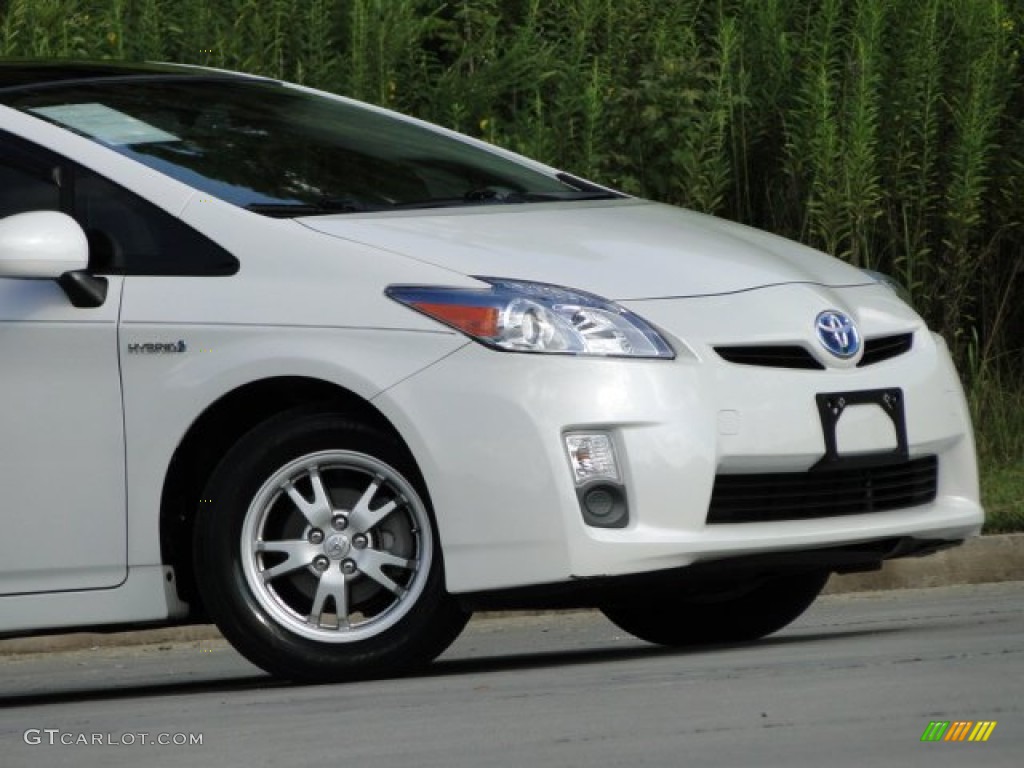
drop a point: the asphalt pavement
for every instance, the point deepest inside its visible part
(855, 682)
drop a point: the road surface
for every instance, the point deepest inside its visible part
(855, 682)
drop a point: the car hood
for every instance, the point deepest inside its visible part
(623, 249)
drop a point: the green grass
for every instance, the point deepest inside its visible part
(997, 407)
(1002, 493)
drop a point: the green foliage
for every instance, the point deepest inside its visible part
(1002, 488)
(912, 124)
(885, 132)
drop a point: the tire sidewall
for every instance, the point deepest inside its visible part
(226, 591)
(766, 606)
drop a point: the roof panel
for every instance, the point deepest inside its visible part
(18, 73)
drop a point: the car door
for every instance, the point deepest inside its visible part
(62, 452)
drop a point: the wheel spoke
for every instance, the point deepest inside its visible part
(318, 511)
(372, 561)
(332, 585)
(337, 547)
(362, 517)
(299, 553)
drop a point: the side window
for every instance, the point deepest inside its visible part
(130, 236)
(127, 235)
(27, 182)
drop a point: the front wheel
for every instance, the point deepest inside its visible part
(723, 614)
(317, 555)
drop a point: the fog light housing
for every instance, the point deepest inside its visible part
(595, 470)
(604, 506)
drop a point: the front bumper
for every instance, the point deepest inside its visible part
(486, 429)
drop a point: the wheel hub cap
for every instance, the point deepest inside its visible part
(337, 546)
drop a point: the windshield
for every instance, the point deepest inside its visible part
(281, 151)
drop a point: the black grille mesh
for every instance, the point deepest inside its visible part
(885, 347)
(770, 357)
(823, 493)
(794, 356)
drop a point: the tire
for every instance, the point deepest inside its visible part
(740, 613)
(317, 556)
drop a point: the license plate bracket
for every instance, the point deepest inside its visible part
(830, 409)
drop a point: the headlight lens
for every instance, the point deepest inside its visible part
(520, 316)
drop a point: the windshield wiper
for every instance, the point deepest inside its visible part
(585, 186)
(600, 194)
(504, 195)
(320, 207)
(492, 195)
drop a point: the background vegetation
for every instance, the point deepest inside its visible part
(887, 132)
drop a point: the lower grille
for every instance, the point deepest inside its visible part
(823, 493)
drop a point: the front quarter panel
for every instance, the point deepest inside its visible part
(302, 305)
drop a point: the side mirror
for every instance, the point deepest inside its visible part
(41, 244)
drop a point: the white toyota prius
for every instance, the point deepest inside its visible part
(333, 378)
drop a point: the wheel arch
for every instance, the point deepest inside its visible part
(213, 433)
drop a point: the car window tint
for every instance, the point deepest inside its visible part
(128, 235)
(262, 143)
(26, 184)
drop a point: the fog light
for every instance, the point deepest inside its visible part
(599, 502)
(604, 506)
(592, 457)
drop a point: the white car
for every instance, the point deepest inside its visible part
(334, 378)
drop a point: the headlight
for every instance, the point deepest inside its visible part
(891, 283)
(519, 316)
